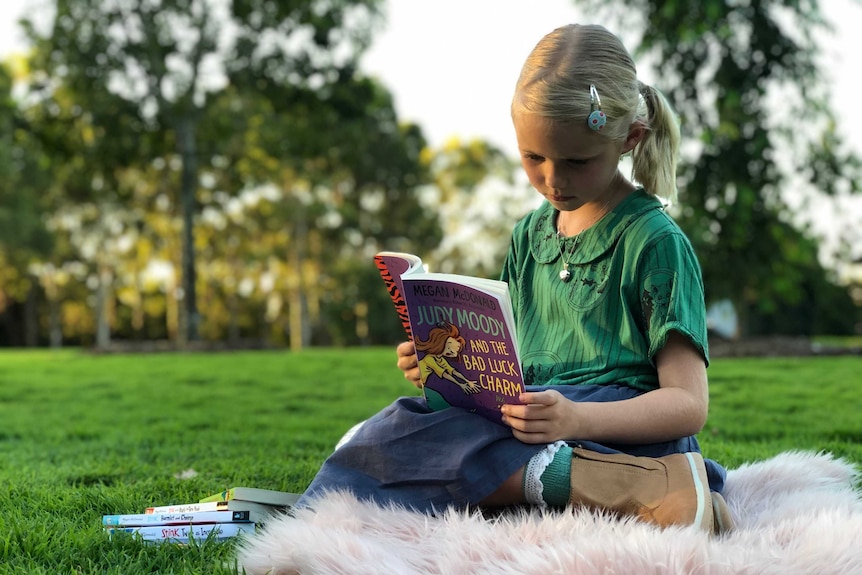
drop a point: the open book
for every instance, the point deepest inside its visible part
(464, 331)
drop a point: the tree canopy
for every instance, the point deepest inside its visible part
(755, 112)
(228, 160)
(147, 72)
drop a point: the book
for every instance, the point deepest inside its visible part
(255, 495)
(198, 517)
(464, 331)
(185, 533)
(229, 505)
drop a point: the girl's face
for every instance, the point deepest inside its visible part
(567, 162)
(452, 348)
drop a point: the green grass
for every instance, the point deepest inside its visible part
(83, 435)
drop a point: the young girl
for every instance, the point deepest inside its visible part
(609, 306)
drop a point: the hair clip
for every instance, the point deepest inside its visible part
(597, 119)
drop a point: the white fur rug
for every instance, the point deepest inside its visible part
(797, 513)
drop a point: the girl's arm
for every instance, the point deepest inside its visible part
(677, 409)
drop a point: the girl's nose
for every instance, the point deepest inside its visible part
(555, 176)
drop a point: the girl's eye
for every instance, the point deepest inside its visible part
(534, 157)
(577, 162)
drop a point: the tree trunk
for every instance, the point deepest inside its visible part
(172, 309)
(55, 334)
(103, 322)
(300, 332)
(187, 142)
(138, 313)
(31, 315)
(296, 306)
(52, 296)
(233, 319)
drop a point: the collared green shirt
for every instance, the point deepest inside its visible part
(634, 279)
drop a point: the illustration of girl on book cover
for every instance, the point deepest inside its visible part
(444, 342)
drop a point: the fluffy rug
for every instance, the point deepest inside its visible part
(795, 513)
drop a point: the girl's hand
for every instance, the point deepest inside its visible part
(408, 362)
(547, 417)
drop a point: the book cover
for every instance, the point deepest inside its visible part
(144, 519)
(256, 495)
(464, 331)
(392, 266)
(185, 533)
(230, 505)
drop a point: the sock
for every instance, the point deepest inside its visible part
(547, 476)
(557, 478)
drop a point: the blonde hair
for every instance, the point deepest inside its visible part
(555, 83)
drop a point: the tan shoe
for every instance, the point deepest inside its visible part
(670, 490)
(722, 520)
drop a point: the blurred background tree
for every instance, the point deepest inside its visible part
(243, 92)
(224, 171)
(137, 69)
(760, 129)
(24, 239)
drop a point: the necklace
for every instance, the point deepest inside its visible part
(565, 274)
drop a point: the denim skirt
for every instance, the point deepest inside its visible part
(430, 460)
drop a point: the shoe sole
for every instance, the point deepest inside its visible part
(700, 489)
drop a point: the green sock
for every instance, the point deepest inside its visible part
(557, 478)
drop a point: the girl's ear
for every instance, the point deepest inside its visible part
(636, 134)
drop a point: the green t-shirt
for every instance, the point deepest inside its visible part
(634, 278)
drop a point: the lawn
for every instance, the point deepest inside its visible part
(84, 435)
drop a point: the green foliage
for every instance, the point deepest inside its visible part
(22, 231)
(358, 309)
(86, 435)
(148, 114)
(139, 81)
(478, 204)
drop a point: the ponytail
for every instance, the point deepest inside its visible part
(655, 157)
(555, 83)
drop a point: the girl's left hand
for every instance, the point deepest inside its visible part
(546, 417)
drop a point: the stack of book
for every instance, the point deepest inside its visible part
(218, 517)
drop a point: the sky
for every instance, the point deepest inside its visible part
(452, 64)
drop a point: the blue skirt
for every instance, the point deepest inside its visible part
(429, 460)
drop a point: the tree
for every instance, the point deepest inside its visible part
(24, 171)
(139, 67)
(725, 65)
(346, 177)
(478, 201)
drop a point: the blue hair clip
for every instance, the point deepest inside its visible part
(597, 119)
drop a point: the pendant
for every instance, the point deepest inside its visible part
(565, 275)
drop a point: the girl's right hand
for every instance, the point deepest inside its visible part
(408, 362)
